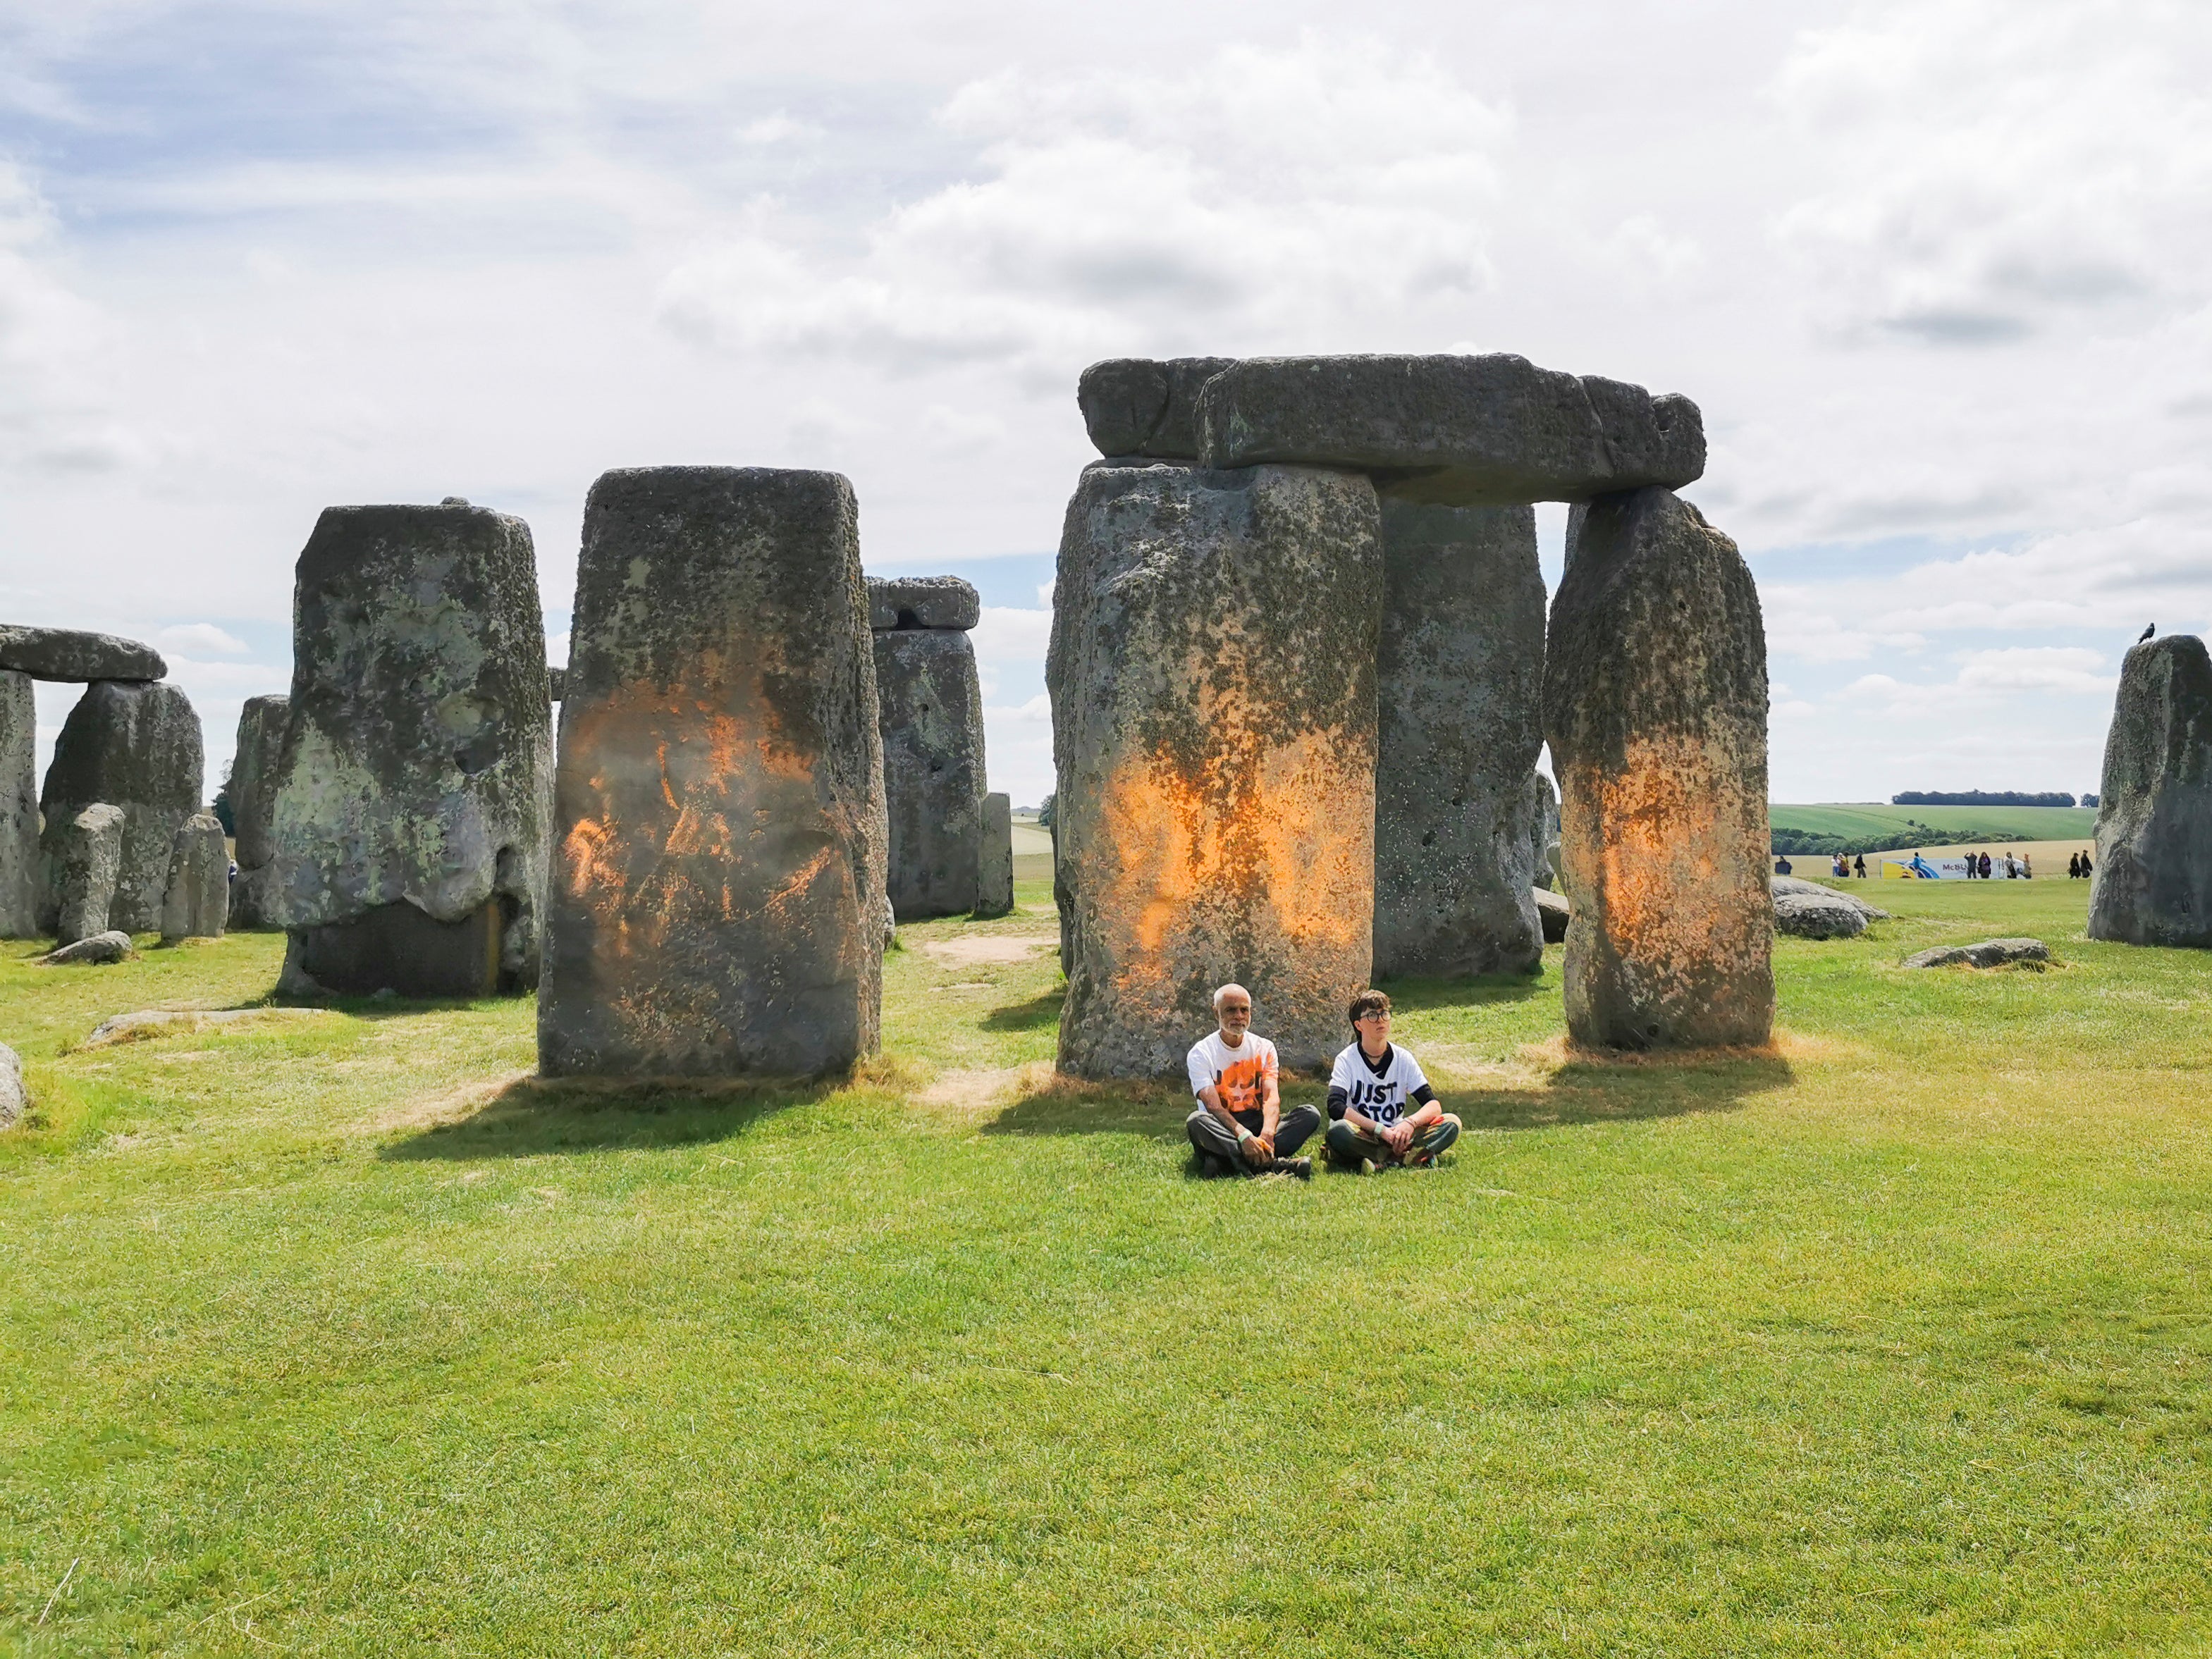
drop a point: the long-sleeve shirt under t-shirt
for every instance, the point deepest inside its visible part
(1381, 1091)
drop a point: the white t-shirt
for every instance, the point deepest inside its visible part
(1237, 1072)
(1383, 1098)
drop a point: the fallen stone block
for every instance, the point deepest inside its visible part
(136, 747)
(85, 857)
(1656, 710)
(1990, 953)
(169, 1022)
(19, 806)
(1213, 679)
(2152, 882)
(995, 859)
(1144, 405)
(1822, 915)
(99, 949)
(1460, 431)
(198, 901)
(1460, 700)
(936, 602)
(1555, 912)
(416, 763)
(1780, 884)
(720, 827)
(68, 654)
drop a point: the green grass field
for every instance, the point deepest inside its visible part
(340, 1335)
(1998, 823)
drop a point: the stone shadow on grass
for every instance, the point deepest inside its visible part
(1587, 1089)
(1410, 995)
(1039, 1012)
(533, 1117)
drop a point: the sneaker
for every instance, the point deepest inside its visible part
(1367, 1166)
(1300, 1167)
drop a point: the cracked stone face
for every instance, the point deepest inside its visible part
(1656, 710)
(416, 766)
(718, 892)
(136, 747)
(1212, 681)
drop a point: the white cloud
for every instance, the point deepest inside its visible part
(201, 636)
(2038, 668)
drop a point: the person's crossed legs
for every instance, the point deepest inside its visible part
(1215, 1138)
(1347, 1145)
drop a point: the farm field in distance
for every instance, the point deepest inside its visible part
(1977, 825)
(339, 1333)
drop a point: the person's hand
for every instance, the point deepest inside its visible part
(1257, 1150)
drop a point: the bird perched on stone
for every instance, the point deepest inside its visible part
(2146, 633)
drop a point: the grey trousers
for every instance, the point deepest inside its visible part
(1214, 1137)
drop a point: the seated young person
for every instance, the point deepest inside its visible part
(1382, 1109)
(1240, 1123)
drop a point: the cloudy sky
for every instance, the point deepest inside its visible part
(1939, 273)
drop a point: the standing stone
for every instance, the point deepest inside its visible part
(557, 684)
(14, 1100)
(19, 806)
(2152, 883)
(85, 856)
(932, 718)
(1212, 681)
(1654, 703)
(1544, 819)
(413, 788)
(253, 807)
(719, 820)
(68, 654)
(1460, 691)
(198, 896)
(1463, 431)
(995, 862)
(135, 746)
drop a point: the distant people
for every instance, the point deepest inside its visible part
(1782, 865)
(1985, 866)
(1383, 1108)
(1973, 868)
(1240, 1124)
(2074, 867)
(2027, 866)
(2012, 867)
(1837, 867)
(1858, 865)
(2087, 869)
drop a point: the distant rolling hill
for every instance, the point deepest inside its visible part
(1873, 828)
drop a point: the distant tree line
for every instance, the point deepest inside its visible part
(1804, 843)
(1979, 798)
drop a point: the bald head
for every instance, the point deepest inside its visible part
(1232, 1010)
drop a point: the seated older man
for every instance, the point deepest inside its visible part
(1240, 1123)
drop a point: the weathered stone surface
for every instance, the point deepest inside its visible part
(2152, 882)
(932, 718)
(1459, 690)
(84, 858)
(994, 858)
(253, 807)
(557, 684)
(416, 764)
(1990, 953)
(396, 948)
(720, 852)
(907, 602)
(1544, 819)
(68, 654)
(1554, 912)
(136, 747)
(1146, 405)
(1465, 431)
(1780, 884)
(1818, 915)
(1212, 680)
(19, 806)
(197, 901)
(1656, 710)
(14, 1100)
(98, 950)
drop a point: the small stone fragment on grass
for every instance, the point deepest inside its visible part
(162, 1022)
(14, 1101)
(1990, 953)
(100, 948)
(1818, 915)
